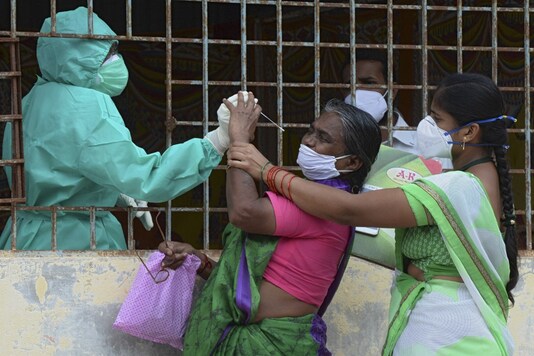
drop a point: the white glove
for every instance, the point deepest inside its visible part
(219, 137)
(144, 216)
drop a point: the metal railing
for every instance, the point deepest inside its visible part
(285, 11)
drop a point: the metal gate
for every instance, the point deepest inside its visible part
(291, 54)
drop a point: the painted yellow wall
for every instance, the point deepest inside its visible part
(65, 303)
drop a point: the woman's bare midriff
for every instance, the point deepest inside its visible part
(418, 274)
(277, 303)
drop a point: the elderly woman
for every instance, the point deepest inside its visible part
(266, 290)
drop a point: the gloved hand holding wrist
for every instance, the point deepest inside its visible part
(219, 137)
(214, 138)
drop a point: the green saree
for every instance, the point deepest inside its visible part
(458, 318)
(219, 322)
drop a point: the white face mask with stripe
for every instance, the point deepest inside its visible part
(433, 141)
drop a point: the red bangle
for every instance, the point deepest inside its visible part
(271, 177)
(282, 184)
(206, 263)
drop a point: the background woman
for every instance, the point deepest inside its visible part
(455, 267)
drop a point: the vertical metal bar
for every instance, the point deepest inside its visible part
(90, 16)
(13, 226)
(13, 18)
(352, 50)
(53, 217)
(168, 94)
(205, 63)
(131, 241)
(317, 56)
(205, 96)
(494, 42)
(279, 80)
(53, 11)
(424, 56)
(243, 44)
(459, 38)
(17, 171)
(168, 220)
(390, 70)
(92, 227)
(528, 137)
(128, 18)
(259, 54)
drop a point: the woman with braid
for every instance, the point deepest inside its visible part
(455, 242)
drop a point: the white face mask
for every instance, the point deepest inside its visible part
(369, 101)
(433, 141)
(316, 166)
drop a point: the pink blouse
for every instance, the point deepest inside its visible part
(305, 260)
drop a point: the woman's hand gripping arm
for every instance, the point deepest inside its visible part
(379, 208)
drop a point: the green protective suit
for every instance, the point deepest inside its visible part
(78, 152)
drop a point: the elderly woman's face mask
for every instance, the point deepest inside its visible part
(316, 166)
(322, 146)
(112, 76)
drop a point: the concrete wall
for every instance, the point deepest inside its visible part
(59, 303)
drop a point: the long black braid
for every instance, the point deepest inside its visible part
(510, 238)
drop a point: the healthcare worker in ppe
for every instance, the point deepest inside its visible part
(78, 151)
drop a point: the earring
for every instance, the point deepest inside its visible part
(463, 144)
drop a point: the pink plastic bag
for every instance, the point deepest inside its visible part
(159, 311)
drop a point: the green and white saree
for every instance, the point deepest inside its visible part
(442, 317)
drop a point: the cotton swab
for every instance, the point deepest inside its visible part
(275, 124)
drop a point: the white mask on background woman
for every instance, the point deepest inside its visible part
(433, 141)
(316, 166)
(369, 101)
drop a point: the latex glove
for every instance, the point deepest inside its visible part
(144, 216)
(219, 137)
